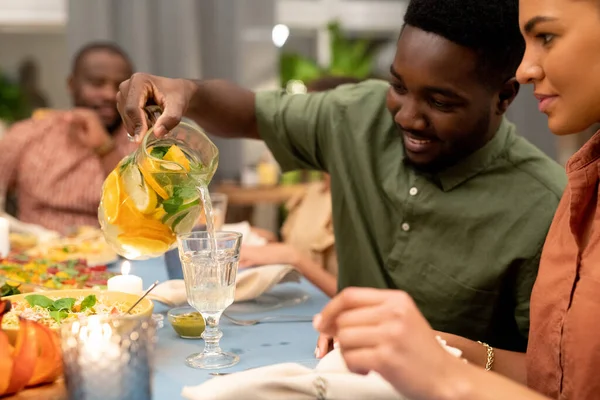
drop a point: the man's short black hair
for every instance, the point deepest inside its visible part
(99, 46)
(489, 27)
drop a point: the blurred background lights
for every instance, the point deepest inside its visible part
(280, 34)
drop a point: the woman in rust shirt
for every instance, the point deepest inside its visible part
(562, 61)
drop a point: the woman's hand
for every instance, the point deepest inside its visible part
(272, 253)
(325, 344)
(383, 331)
(265, 234)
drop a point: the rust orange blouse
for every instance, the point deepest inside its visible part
(563, 358)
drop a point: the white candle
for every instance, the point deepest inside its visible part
(125, 282)
(4, 242)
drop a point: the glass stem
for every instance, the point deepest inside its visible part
(212, 334)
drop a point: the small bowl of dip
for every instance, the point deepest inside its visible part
(186, 322)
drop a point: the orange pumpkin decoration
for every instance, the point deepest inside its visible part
(35, 358)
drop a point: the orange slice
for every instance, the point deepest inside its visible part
(143, 245)
(147, 168)
(111, 197)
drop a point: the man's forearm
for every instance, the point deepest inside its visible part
(508, 363)
(224, 109)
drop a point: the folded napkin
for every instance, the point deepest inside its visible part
(250, 284)
(248, 237)
(330, 380)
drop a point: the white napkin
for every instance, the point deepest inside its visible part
(248, 237)
(250, 284)
(330, 380)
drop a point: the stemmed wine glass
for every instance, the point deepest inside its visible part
(210, 263)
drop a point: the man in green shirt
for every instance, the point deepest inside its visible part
(433, 191)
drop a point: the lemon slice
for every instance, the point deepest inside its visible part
(176, 155)
(184, 221)
(111, 197)
(159, 213)
(143, 197)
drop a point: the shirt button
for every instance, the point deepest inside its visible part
(413, 191)
(405, 227)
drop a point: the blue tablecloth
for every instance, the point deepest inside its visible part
(258, 345)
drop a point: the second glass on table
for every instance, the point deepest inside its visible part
(210, 266)
(158, 191)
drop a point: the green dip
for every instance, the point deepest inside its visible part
(189, 325)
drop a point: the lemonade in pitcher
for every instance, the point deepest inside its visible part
(158, 191)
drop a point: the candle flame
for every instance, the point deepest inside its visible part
(125, 268)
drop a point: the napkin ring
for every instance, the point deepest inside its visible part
(321, 387)
(490, 356)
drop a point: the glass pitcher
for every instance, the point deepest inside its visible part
(155, 193)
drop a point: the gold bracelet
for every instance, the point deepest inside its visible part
(490, 356)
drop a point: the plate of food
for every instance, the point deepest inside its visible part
(86, 243)
(52, 309)
(36, 274)
(20, 242)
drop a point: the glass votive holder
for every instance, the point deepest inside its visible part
(108, 358)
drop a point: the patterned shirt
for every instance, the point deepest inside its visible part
(57, 179)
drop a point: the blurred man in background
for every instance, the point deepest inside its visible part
(57, 161)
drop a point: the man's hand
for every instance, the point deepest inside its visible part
(87, 128)
(383, 331)
(171, 95)
(272, 253)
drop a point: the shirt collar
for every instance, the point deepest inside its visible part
(478, 161)
(588, 153)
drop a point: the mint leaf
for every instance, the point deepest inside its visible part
(126, 164)
(159, 151)
(178, 220)
(59, 315)
(63, 304)
(171, 205)
(185, 192)
(88, 302)
(39, 300)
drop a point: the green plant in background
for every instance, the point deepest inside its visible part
(349, 58)
(13, 105)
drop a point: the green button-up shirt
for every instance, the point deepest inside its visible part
(465, 243)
